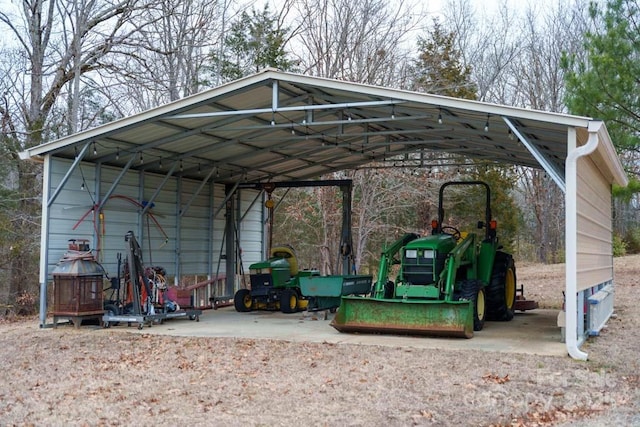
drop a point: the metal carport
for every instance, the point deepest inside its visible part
(193, 154)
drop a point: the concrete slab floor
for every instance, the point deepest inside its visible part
(531, 332)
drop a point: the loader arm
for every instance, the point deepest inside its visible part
(462, 255)
(387, 260)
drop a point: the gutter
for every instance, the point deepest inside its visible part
(571, 235)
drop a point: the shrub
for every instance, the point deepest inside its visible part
(26, 303)
(632, 241)
(619, 246)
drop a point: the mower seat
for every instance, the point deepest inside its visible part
(287, 253)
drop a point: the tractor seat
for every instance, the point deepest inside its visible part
(287, 253)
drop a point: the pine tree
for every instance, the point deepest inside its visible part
(605, 84)
(439, 68)
(255, 41)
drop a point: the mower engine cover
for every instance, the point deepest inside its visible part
(266, 275)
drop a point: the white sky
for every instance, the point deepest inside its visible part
(490, 7)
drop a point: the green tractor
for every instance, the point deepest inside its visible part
(275, 284)
(447, 283)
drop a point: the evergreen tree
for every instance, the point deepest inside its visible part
(605, 84)
(255, 41)
(439, 68)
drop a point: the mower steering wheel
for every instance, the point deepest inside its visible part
(454, 231)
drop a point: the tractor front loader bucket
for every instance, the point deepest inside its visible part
(408, 317)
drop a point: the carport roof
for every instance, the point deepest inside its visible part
(276, 126)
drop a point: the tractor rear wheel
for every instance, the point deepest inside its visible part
(472, 290)
(289, 301)
(242, 300)
(501, 292)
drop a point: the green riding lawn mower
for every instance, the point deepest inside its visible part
(275, 284)
(448, 283)
(278, 284)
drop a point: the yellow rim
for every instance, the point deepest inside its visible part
(247, 301)
(510, 288)
(480, 305)
(293, 302)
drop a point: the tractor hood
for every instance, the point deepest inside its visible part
(440, 242)
(277, 263)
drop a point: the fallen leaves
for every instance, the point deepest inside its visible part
(496, 378)
(426, 414)
(69, 377)
(545, 417)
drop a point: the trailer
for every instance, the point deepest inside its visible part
(324, 292)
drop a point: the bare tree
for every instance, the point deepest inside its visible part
(355, 41)
(366, 42)
(538, 83)
(546, 39)
(544, 220)
(388, 203)
(488, 47)
(165, 60)
(64, 40)
(515, 59)
(56, 43)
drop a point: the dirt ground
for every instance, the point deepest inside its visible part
(93, 376)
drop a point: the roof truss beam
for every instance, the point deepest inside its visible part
(542, 160)
(285, 109)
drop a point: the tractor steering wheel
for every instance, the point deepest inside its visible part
(454, 231)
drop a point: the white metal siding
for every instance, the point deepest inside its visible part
(158, 249)
(194, 226)
(122, 214)
(594, 239)
(251, 228)
(63, 217)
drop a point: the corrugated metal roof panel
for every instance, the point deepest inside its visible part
(315, 126)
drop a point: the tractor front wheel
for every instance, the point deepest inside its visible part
(501, 292)
(472, 290)
(242, 300)
(289, 301)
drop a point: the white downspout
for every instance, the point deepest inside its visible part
(571, 235)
